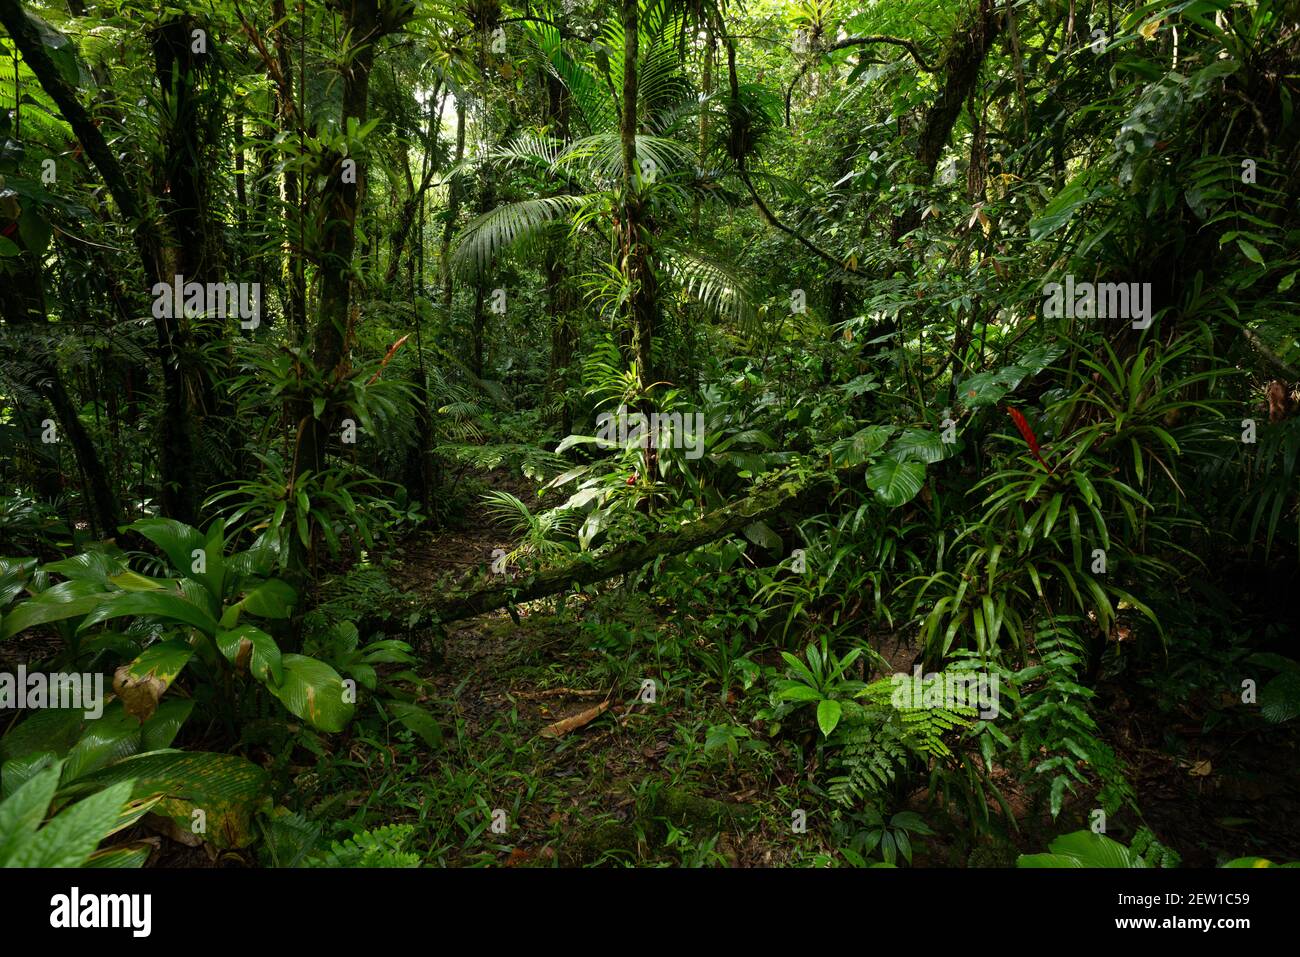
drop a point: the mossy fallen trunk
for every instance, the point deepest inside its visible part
(792, 495)
(685, 809)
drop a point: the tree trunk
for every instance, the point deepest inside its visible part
(406, 215)
(339, 203)
(293, 235)
(22, 304)
(453, 211)
(960, 70)
(638, 258)
(192, 248)
(176, 452)
(791, 497)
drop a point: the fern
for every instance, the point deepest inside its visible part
(535, 463)
(361, 591)
(876, 740)
(1056, 731)
(922, 728)
(377, 847)
(1151, 852)
(871, 754)
(541, 534)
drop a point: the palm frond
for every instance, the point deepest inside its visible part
(602, 155)
(593, 99)
(531, 149)
(484, 238)
(715, 284)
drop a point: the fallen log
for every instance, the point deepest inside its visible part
(790, 495)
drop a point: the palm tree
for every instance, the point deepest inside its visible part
(628, 181)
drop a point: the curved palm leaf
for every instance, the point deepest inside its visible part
(484, 238)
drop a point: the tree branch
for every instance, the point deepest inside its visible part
(908, 45)
(794, 496)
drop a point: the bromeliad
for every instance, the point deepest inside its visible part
(1023, 425)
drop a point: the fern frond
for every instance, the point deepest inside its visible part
(378, 847)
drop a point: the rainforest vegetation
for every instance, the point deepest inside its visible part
(652, 433)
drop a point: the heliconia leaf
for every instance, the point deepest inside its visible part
(142, 683)
(14, 574)
(177, 540)
(88, 566)
(270, 599)
(129, 856)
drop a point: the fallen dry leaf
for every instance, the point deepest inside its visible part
(140, 694)
(576, 721)
(1200, 769)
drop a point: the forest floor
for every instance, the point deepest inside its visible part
(629, 781)
(632, 781)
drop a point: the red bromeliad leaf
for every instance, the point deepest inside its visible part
(392, 351)
(1023, 425)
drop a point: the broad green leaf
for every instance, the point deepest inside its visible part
(18, 771)
(1060, 210)
(141, 684)
(167, 605)
(57, 603)
(919, 445)
(131, 856)
(1250, 251)
(270, 599)
(1092, 850)
(60, 49)
(828, 715)
(760, 534)
(895, 483)
(14, 574)
(227, 788)
(313, 691)
(799, 692)
(73, 835)
(262, 653)
(418, 720)
(860, 446)
(1279, 700)
(22, 812)
(88, 566)
(114, 736)
(177, 540)
(49, 729)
